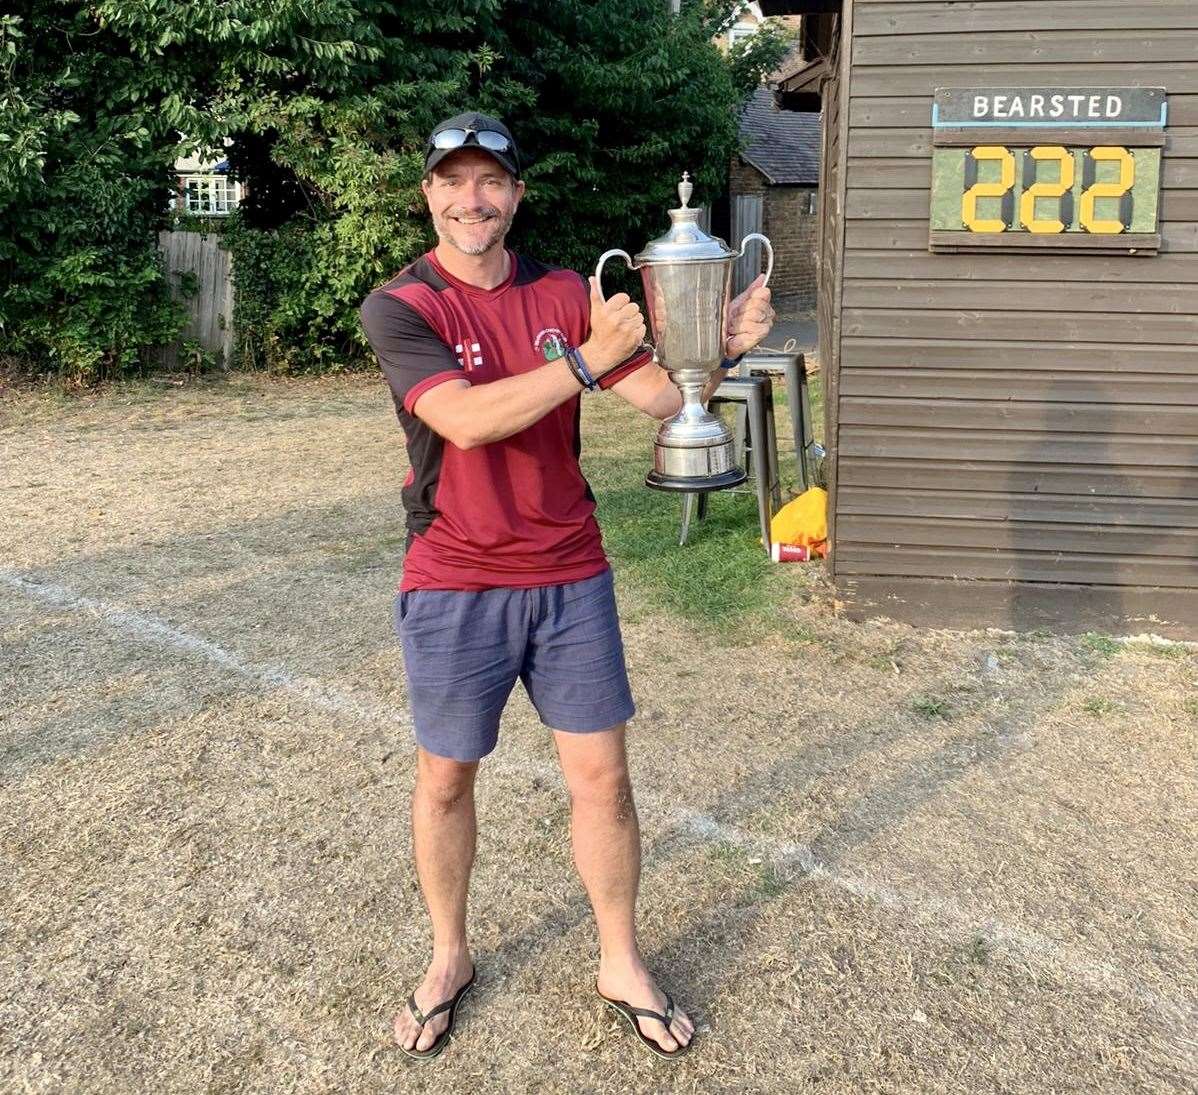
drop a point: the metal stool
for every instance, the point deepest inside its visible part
(757, 440)
(794, 368)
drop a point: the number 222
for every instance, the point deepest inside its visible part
(1061, 190)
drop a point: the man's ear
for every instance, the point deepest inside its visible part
(519, 189)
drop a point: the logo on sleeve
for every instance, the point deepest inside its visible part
(475, 355)
(551, 343)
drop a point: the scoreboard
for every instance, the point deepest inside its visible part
(1061, 169)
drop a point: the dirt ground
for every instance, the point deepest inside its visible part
(876, 859)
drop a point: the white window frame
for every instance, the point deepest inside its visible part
(210, 194)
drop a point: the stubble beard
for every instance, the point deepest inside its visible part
(500, 225)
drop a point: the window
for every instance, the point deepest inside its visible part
(210, 195)
(740, 32)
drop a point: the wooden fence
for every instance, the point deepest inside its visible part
(210, 310)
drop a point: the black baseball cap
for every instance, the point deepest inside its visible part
(473, 130)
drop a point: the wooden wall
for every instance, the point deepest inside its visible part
(1016, 437)
(210, 310)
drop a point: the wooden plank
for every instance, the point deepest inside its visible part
(1127, 298)
(916, 142)
(1093, 540)
(1176, 330)
(1052, 47)
(913, 203)
(1117, 482)
(903, 18)
(992, 446)
(1124, 69)
(884, 350)
(1029, 243)
(1020, 138)
(1008, 505)
(1053, 606)
(899, 265)
(1046, 384)
(894, 173)
(1090, 417)
(914, 112)
(909, 235)
(1028, 565)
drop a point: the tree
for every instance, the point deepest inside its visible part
(328, 102)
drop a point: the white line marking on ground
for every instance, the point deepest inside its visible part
(1080, 964)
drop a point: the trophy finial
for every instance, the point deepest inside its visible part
(685, 189)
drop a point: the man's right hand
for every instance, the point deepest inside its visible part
(617, 329)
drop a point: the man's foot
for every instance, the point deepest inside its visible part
(441, 982)
(634, 985)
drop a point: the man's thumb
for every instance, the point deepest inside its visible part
(596, 292)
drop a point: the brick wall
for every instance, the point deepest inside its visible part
(791, 229)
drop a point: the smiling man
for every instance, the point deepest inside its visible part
(505, 579)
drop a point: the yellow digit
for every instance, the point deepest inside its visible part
(1000, 189)
(1027, 203)
(1127, 179)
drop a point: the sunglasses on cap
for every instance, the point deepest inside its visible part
(484, 138)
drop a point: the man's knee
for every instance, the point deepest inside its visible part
(443, 782)
(606, 787)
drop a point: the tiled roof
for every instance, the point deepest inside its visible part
(782, 144)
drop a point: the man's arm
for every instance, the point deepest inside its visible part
(470, 416)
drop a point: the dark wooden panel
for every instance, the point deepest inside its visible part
(1102, 419)
(1009, 296)
(1017, 447)
(908, 174)
(907, 235)
(1027, 565)
(883, 350)
(1028, 243)
(1002, 382)
(1065, 609)
(1140, 483)
(1123, 69)
(917, 143)
(912, 204)
(1050, 47)
(1007, 505)
(953, 323)
(903, 18)
(1164, 545)
(915, 111)
(1168, 269)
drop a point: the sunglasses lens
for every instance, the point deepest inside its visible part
(449, 138)
(495, 142)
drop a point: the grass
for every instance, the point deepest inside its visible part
(1101, 644)
(930, 707)
(1098, 707)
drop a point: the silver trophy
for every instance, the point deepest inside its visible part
(687, 275)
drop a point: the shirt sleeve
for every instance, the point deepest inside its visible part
(413, 358)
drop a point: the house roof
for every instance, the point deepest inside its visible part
(782, 144)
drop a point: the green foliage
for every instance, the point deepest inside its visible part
(609, 101)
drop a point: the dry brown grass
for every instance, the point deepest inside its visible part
(874, 862)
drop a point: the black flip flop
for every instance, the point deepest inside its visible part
(630, 1013)
(449, 1005)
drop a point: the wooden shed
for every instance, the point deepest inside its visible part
(1008, 307)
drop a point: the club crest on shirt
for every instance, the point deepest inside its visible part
(551, 343)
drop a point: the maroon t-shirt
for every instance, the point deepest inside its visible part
(517, 512)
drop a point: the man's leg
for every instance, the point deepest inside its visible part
(443, 837)
(607, 853)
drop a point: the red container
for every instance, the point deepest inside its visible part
(789, 553)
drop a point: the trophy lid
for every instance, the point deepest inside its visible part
(685, 241)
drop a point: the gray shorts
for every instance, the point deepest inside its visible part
(464, 651)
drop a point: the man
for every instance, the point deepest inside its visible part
(505, 578)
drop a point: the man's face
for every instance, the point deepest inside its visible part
(472, 200)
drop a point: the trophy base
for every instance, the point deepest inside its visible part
(695, 484)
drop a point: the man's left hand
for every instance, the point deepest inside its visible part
(750, 318)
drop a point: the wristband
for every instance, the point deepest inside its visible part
(578, 367)
(730, 363)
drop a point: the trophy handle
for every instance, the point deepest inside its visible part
(627, 262)
(769, 267)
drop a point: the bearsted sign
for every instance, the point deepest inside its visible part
(1050, 106)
